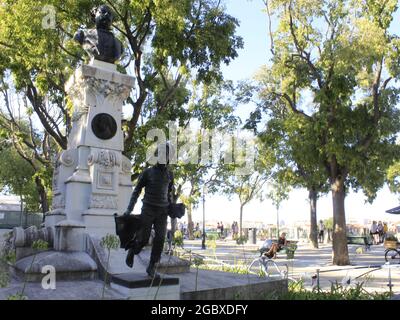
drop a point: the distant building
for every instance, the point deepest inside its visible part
(12, 215)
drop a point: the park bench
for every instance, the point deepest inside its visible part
(361, 240)
(283, 250)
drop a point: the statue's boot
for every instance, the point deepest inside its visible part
(131, 243)
(151, 270)
(130, 258)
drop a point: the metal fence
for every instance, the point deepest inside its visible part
(11, 219)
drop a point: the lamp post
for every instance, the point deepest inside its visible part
(277, 221)
(203, 241)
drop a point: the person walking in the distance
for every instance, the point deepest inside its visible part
(158, 184)
(321, 232)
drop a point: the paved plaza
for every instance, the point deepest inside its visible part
(368, 267)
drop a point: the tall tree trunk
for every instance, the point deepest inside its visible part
(21, 209)
(312, 196)
(174, 221)
(44, 202)
(277, 222)
(339, 238)
(190, 222)
(174, 225)
(241, 220)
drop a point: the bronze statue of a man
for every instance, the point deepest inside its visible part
(101, 43)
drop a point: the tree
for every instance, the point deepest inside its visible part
(16, 178)
(167, 42)
(210, 108)
(333, 67)
(26, 148)
(296, 160)
(279, 192)
(168, 46)
(393, 174)
(246, 187)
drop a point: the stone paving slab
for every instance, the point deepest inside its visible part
(307, 260)
(65, 290)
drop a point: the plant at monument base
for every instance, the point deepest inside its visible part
(197, 261)
(37, 245)
(17, 296)
(4, 278)
(7, 256)
(4, 274)
(108, 242)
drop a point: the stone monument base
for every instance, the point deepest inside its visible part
(67, 266)
(139, 287)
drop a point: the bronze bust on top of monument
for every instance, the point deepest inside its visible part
(100, 43)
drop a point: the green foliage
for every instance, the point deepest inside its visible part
(40, 245)
(278, 193)
(327, 99)
(170, 42)
(212, 236)
(178, 238)
(16, 177)
(328, 223)
(238, 268)
(393, 177)
(11, 257)
(211, 244)
(291, 247)
(4, 271)
(246, 187)
(175, 49)
(4, 278)
(297, 291)
(110, 241)
(198, 261)
(197, 234)
(17, 296)
(241, 240)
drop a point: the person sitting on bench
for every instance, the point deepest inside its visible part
(276, 247)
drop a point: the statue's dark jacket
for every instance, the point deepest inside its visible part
(158, 182)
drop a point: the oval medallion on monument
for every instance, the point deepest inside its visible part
(104, 126)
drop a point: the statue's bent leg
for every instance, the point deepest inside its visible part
(160, 228)
(143, 235)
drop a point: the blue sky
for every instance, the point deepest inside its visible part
(253, 29)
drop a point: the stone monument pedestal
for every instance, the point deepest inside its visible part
(92, 179)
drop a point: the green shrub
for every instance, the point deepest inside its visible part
(17, 296)
(197, 234)
(241, 240)
(297, 291)
(212, 236)
(4, 278)
(391, 237)
(238, 269)
(178, 238)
